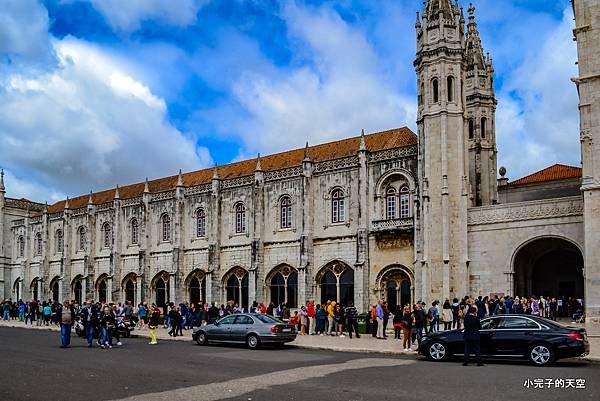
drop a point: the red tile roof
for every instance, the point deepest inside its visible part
(391, 139)
(552, 173)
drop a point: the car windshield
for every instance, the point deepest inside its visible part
(267, 319)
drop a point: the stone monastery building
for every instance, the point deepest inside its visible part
(394, 214)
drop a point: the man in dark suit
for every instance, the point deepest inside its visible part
(471, 336)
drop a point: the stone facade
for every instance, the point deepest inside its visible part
(390, 214)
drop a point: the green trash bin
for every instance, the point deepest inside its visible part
(362, 323)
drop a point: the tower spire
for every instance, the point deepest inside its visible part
(117, 196)
(2, 188)
(90, 199)
(306, 156)
(258, 165)
(179, 179)
(475, 53)
(435, 8)
(146, 187)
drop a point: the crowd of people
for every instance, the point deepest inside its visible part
(103, 321)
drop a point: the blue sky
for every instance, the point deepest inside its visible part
(95, 93)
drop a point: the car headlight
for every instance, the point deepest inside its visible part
(424, 338)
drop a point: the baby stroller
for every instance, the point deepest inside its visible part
(578, 317)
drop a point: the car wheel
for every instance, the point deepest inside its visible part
(201, 339)
(437, 351)
(541, 355)
(252, 341)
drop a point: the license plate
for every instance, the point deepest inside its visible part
(286, 330)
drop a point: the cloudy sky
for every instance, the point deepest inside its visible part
(95, 93)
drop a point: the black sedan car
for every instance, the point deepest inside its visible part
(540, 340)
(252, 329)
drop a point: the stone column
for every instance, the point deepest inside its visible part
(171, 284)
(208, 288)
(306, 210)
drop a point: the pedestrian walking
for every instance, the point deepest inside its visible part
(471, 336)
(407, 324)
(89, 317)
(153, 323)
(379, 315)
(320, 317)
(351, 316)
(67, 317)
(397, 322)
(310, 312)
(107, 323)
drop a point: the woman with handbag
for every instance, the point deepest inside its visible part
(397, 322)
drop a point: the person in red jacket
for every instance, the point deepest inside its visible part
(310, 311)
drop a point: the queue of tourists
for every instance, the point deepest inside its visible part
(104, 324)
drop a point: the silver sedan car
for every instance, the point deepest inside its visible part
(252, 329)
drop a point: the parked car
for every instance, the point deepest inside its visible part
(253, 329)
(540, 340)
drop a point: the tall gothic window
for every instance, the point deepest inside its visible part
(240, 218)
(421, 93)
(134, 231)
(166, 227)
(21, 246)
(59, 241)
(38, 243)
(435, 90)
(107, 235)
(200, 223)
(285, 212)
(81, 238)
(483, 126)
(404, 202)
(338, 212)
(450, 89)
(471, 128)
(390, 202)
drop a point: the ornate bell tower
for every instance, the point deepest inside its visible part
(481, 112)
(441, 262)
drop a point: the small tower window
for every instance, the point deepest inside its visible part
(81, 236)
(471, 128)
(240, 218)
(107, 235)
(435, 90)
(166, 227)
(390, 200)
(59, 241)
(421, 93)
(21, 246)
(450, 89)
(338, 212)
(200, 223)
(38, 244)
(483, 126)
(404, 202)
(134, 231)
(285, 212)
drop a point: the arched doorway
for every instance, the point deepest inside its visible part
(394, 285)
(282, 283)
(160, 286)
(102, 289)
(549, 267)
(77, 289)
(55, 289)
(129, 289)
(236, 286)
(195, 284)
(336, 283)
(35, 289)
(17, 288)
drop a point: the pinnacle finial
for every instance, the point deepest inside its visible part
(363, 144)
(67, 203)
(117, 196)
(146, 187)
(258, 164)
(2, 189)
(471, 10)
(90, 199)
(179, 179)
(216, 172)
(418, 22)
(306, 156)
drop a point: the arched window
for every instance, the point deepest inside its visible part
(38, 243)
(421, 93)
(390, 202)
(285, 212)
(236, 289)
(240, 218)
(471, 128)
(338, 213)
(102, 291)
(107, 235)
(166, 227)
(450, 89)
(277, 289)
(162, 292)
(21, 246)
(435, 90)
(129, 290)
(59, 241)
(81, 238)
(283, 286)
(134, 231)
(404, 202)
(200, 223)
(78, 291)
(483, 126)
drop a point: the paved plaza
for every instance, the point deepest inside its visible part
(181, 370)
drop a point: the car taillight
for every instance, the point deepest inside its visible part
(275, 329)
(575, 336)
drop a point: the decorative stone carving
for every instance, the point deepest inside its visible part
(539, 209)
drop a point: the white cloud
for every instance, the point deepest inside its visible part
(537, 113)
(24, 31)
(128, 15)
(335, 87)
(88, 124)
